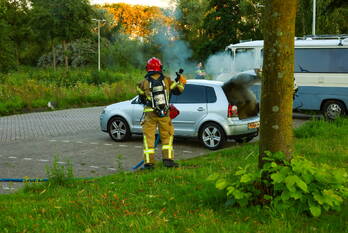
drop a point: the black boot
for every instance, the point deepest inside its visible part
(148, 166)
(170, 163)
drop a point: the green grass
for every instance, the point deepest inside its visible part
(30, 89)
(174, 200)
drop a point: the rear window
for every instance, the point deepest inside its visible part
(211, 96)
(321, 60)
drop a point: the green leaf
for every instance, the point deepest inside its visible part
(296, 195)
(230, 190)
(315, 209)
(319, 198)
(302, 185)
(221, 184)
(277, 177)
(290, 181)
(285, 195)
(240, 172)
(246, 178)
(213, 177)
(238, 194)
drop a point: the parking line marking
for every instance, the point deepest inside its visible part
(27, 159)
(61, 162)
(94, 167)
(123, 146)
(186, 151)
(52, 140)
(138, 147)
(106, 144)
(94, 143)
(79, 142)
(11, 157)
(66, 141)
(112, 169)
(42, 160)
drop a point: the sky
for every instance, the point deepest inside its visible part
(160, 3)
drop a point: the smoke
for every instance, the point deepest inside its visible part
(223, 66)
(176, 53)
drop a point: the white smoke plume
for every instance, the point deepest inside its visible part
(223, 66)
(176, 53)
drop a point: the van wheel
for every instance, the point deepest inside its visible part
(212, 136)
(118, 129)
(333, 109)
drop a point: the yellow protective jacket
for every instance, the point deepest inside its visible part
(143, 88)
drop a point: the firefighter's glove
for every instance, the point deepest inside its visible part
(182, 79)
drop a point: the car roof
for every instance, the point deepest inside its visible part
(204, 82)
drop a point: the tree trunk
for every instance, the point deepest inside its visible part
(276, 133)
(66, 59)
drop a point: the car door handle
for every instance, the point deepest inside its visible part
(200, 109)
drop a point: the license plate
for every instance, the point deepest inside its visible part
(254, 125)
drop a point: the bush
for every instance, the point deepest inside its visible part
(59, 174)
(297, 184)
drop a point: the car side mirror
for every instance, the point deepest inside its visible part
(136, 100)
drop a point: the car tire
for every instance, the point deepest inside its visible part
(118, 129)
(212, 136)
(333, 109)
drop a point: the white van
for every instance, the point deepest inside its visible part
(321, 71)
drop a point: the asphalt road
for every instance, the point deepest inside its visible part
(29, 143)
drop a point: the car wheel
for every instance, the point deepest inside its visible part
(212, 136)
(118, 129)
(333, 109)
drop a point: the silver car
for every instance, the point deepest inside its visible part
(204, 113)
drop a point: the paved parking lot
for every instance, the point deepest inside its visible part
(48, 124)
(29, 143)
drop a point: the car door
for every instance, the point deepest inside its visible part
(137, 115)
(192, 104)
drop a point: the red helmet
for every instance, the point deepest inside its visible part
(154, 64)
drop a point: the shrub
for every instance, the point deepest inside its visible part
(297, 184)
(59, 174)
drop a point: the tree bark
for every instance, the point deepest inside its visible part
(276, 133)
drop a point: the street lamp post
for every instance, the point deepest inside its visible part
(99, 20)
(314, 16)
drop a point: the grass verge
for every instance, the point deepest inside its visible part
(174, 200)
(31, 89)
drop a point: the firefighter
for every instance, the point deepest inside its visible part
(155, 91)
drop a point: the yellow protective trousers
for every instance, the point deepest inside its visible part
(166, 130)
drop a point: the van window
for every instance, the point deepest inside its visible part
(193, 94)
(245, 59)
(321, 60)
